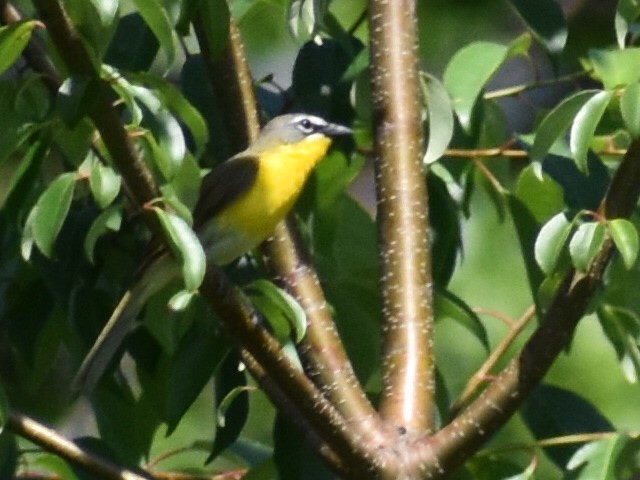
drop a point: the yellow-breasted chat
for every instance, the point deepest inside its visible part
(241, 202)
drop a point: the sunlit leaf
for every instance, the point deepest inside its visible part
(440, 117)
(483, 59)
(585, 244)
(13, 39)
(612, 66)
(584, 126)
(625, 237)
(550, 242)
(186, 247)
(598, 459)
(280, 309)
(104, 183)
(51, 210)
(556, 122)
(630, 108)
(107, 10)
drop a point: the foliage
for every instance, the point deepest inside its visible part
(72, 234)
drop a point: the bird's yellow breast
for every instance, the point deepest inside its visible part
(252, 218)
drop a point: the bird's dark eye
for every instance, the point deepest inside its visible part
(306, 125)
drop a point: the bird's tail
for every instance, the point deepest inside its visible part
(154, 278)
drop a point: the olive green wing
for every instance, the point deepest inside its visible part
(223, 185)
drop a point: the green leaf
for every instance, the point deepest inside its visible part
(13, 39)
(585, 243)
(483, 59)
(230, 379)
(622, 328)
(104, 183)
(168, 144)
(175, 101)
(545, 20)
(584, 126)
(552, 411)
(440, 117)
(449, 305)
(555, 123)
(625, 237)
(305, 18)
(550, 242)
(185, 246)
(157, 19)
(107, 10)
(51, 210)
(76, 97)
(614, 67)
(181, 300)
(540, 193)
(598, 459)
(215, 20)
(109, 220)
(189, 369)
(627, 12)
(280, 309)
(630, 108)
(134, 46)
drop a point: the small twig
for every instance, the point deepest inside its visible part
(503, 317)
(52, 441)
(488, 174)
(518, 89)
(486, 152)
(557, 442)
(483, 372)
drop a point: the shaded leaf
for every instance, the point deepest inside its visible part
(51, 210)
(134, 46)
(156, 17)
(552, 412)
(230, 378)
(540, 193)
(584, 126)
(545, 20)
(76, 97)
(185, 246)
(625, 237)
(449, 305)
(109, 220)
(622, 328)
(627, 12)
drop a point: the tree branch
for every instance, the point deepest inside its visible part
(52, 441)
(408, 364)
(490, 411)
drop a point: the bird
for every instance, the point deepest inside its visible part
(241, 202)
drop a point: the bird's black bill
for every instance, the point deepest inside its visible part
(333, 129)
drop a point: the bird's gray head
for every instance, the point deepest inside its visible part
(295, 127)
